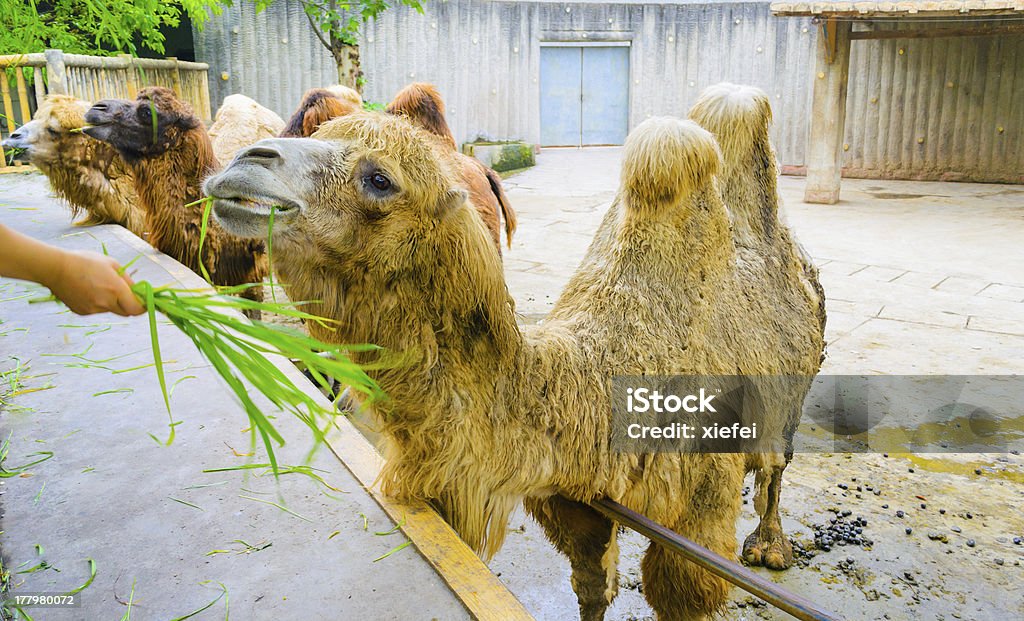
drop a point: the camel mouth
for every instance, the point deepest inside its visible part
(98, 130)
(258, 205)
(15, 142)
(250, 216)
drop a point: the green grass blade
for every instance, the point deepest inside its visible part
(270, 253)
(202, 235)
(150, 303)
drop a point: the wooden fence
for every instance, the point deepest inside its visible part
(93, 78)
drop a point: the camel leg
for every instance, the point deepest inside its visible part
(677, 589)
(587, 538)
(255, 294)
(768, 544)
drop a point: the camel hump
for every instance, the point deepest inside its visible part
(507, 213)
(738, 116)
(666, 158)
(423, 105)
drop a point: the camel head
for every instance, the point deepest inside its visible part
(155, 122)
(48, 136)
(371, 222)
(318, 106)
(369, 189)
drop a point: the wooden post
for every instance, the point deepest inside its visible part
(56, 76)
(37, 83)
(828, 113)
(5, 90)
(129, 72)
(19, 79)
(175, 77)
(204, 94)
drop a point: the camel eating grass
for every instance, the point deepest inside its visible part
(169, 153)
(373, 224)
(88, 174)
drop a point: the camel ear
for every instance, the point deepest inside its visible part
(452, 200)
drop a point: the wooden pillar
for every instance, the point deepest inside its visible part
(56, 77)
(204, 95)
(19, 78)
(37, 83)
(129, 74)
(5, 89)
(828, 113)
(175, 77)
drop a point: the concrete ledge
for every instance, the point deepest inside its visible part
(502, 156)
(171, 523)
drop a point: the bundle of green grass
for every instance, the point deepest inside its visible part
(238, 349)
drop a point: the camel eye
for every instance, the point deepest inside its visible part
(52, 131)
(379, 182)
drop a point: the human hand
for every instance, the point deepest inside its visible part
(88, 283)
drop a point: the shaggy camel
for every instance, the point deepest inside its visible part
(88, 174)
(372, 223)
(777, 273)
(318, 106)
(346, 93)
(169, 153)
(240, 121)
(422, 104)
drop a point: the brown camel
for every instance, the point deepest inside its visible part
(169, 153)
(481, 415)
(777, 273)
(318, 106)
(88, 174)
(422, 104)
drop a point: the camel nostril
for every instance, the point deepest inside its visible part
(99, 107)
(260, 153)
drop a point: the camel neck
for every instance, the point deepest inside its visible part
(449, 320)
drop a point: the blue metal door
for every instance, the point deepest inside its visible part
(584, 95)
(560, 91)
(605, 95)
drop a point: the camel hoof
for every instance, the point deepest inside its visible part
(773, 551)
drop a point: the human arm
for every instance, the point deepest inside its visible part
(86, 281)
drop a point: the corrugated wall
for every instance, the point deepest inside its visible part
(947, 108)
(485, 58)
(272, 56)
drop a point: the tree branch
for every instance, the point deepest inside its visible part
(318, 34)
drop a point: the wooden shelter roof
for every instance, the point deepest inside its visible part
(927, 8)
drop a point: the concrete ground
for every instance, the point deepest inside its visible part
(920, 278)
(84, 478)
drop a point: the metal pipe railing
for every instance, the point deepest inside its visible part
(799, 607)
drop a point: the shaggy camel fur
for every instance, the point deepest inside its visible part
(241, 121)
(346, 93)
(777, 272)
(318, 106)
(88, 174)
(481, 415)
(422, 104)
(169, 153)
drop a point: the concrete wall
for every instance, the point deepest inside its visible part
(949, 108)
(484, 57)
